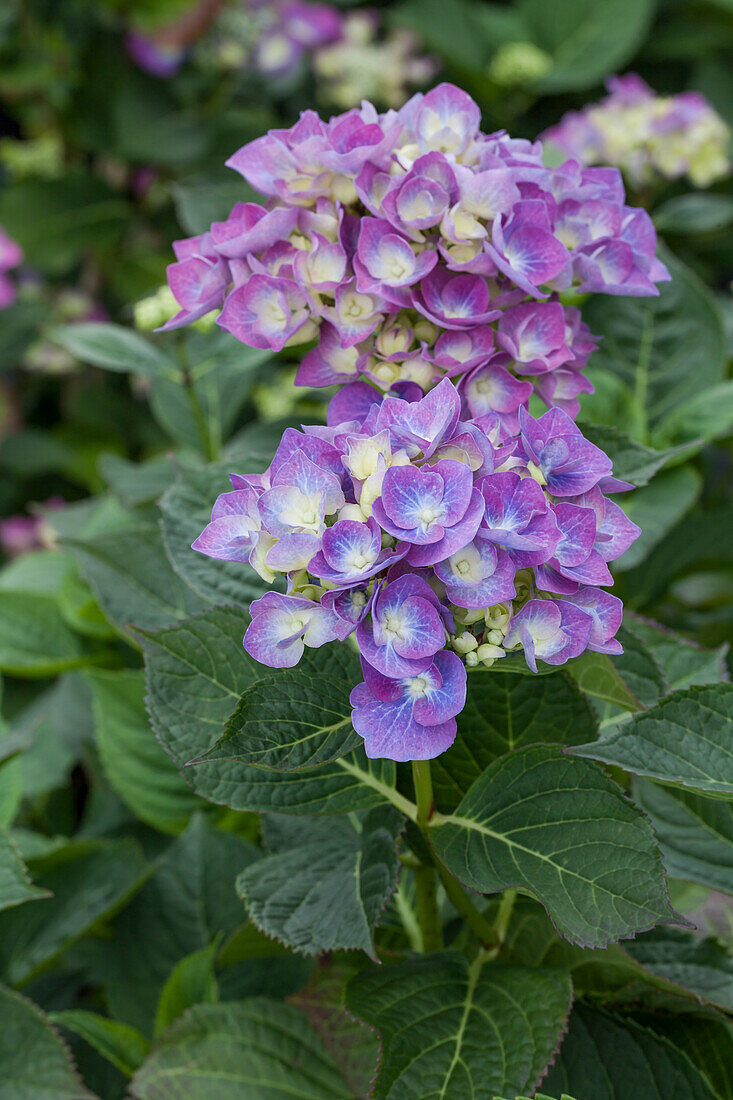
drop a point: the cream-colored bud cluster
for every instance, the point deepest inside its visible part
(485, 646)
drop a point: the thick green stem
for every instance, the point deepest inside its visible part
(211, 450)
(427, 908)
(504, 915)
(425, 877)
(478, 924)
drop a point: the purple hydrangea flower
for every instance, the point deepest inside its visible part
(405, 629)
(411, 717)
(549, 630)
(282, 625)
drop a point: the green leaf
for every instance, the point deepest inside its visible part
(639, 669)
(701, 966)
(34, 639)
(133, 579)
(120, 1044)
(115, 348)
(695, 833)
(685, 740)
(325, 883)
(455, 1030)
(87, 880)
(666, 349)
(254, 1050)
(656, 508)
(204, 413)
(209, 197)
(706, 416)
(632, 461)
(354, 1046)
(561, 830)
(34, 1063)
(192, 982)
(297, 718)
(455, 35)
(604, 1057)
(706, 1037)
(56, 221)
(195, 674)
(684, 662)
(15, 884)
(187, 903)
(186, 510)
(251, 964)
(588, 38)
(596, 675)
(136, 483)
(694, 213)
(505, 712)
(136, 766)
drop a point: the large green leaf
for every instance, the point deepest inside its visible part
(296, 718)
(325, 883)
(120, 1044)
(34, 1063)
(34, 639)
(453, 1030)
(604, 1057)
(560, 829)
(684, 662)
(695, 833)
(706, 1037)
(183, 907)
(133, 579)
(587, 38)
(87, 880)
(115, 348)
(353, 1046)
(656, 508)
(505, 712)
(684, 740)
(195, 673)
(15, 884)
(136, 766)
(254, 1050)
(666, 349)
(701, 966)
(186, 510)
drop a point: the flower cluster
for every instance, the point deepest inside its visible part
(10, 256)
(415, 248)
(647, 136)
(437, 542)
(366, 64)
(274, 37)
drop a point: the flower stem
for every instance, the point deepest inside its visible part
(425, 877)
(503, 916)
(478, 924)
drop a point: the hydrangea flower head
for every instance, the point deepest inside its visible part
(436, 544)
(649, 137)
(414, 247)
